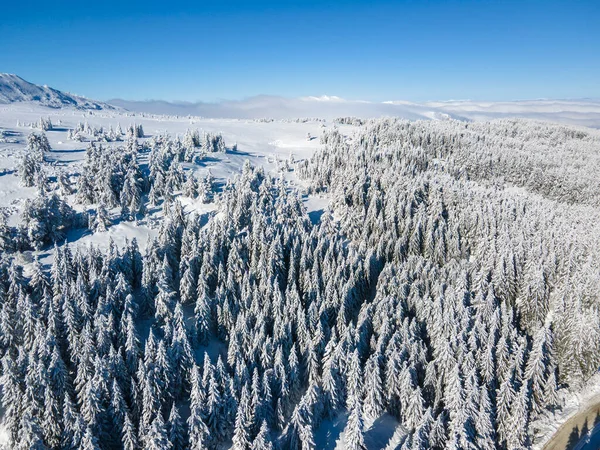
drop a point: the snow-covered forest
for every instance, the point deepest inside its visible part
(393, 284)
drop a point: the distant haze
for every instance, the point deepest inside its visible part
(584, 112)
(578, 112)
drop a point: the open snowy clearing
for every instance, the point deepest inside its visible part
(263, 144)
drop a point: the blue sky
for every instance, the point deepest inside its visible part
(376, 50)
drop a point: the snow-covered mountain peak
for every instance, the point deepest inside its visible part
(13, 89)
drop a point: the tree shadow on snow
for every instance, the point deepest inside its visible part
(381, 432)
(77, 150)
(207, 160)
(315, 216)
(329, 432)
(60, 162)
(574, 438)
(376, 437)
(230, 151)
(589, 439)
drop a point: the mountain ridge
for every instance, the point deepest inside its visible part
(581, 112)
(14, 89)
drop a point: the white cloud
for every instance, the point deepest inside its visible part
(578, 112)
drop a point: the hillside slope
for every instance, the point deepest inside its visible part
(15, 89)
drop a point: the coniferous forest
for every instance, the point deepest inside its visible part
(451, 285)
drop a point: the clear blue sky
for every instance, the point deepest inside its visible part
(371, 50)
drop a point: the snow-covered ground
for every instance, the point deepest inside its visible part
(263, 144)
(266, 144)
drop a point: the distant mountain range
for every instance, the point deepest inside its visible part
(584, 112)
(13, 89)
(276, 107)
(575, 112)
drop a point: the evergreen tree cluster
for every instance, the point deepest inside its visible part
(31, 165)
(100, 134)
(44, 124)
(435, 295)
(397, 184)
(112, 178)
(213, 143)
(135, 131)
(356, 121)
(192, 139)
(44, 220)
(196, 145)
(115, 177)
